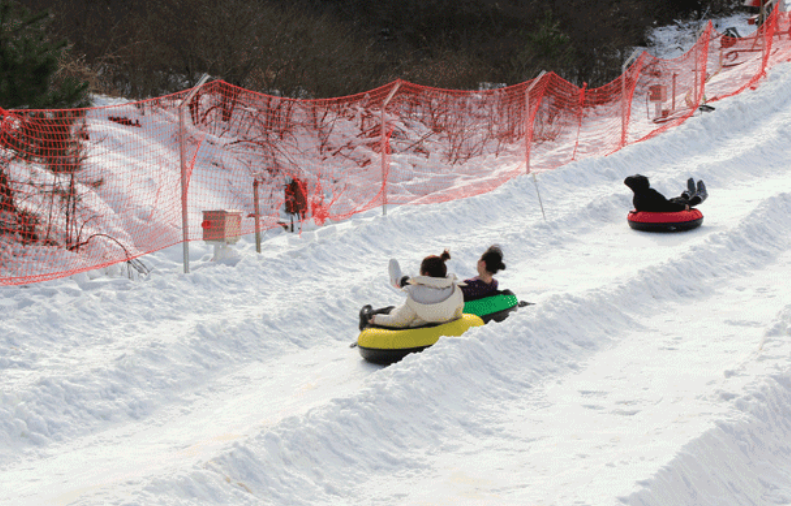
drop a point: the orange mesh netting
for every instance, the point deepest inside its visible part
(88, 188)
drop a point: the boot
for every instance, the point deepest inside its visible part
(701, 191)
(365, 316)
(690, 191)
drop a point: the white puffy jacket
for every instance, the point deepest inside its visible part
(429, 300)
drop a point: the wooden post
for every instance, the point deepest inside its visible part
(256, 184)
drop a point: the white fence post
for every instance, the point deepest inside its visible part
(528, 141)
(623, 94)
(383, 143)
(183, 157)
(698, 96)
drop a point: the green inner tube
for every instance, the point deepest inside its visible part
(491, 305)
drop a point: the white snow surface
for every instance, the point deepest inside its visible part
(654, 369)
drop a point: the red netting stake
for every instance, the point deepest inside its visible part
(581, 107)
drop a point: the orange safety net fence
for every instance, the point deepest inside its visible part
(88, 188)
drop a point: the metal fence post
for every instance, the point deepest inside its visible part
(183, 158)
(623, 94)
(528, 140)
(383, 147)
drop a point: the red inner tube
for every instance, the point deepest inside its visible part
(677, 217)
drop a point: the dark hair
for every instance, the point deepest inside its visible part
(434, 265)
(493, 258)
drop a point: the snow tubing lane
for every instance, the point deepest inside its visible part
(384, 346)
(665, 222)
(494, 307)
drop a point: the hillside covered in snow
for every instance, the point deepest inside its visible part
(653, 369)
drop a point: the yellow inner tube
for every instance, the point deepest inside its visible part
(399, 339)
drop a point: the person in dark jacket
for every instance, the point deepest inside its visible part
(649, 200)
(484, 283)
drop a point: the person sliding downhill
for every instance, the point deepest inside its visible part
(484, 284)
(433, 297)
(647, 199)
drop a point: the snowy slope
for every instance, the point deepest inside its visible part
(654, 369)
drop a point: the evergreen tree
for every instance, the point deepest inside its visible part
(29, 62)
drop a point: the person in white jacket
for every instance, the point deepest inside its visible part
(432, 297)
